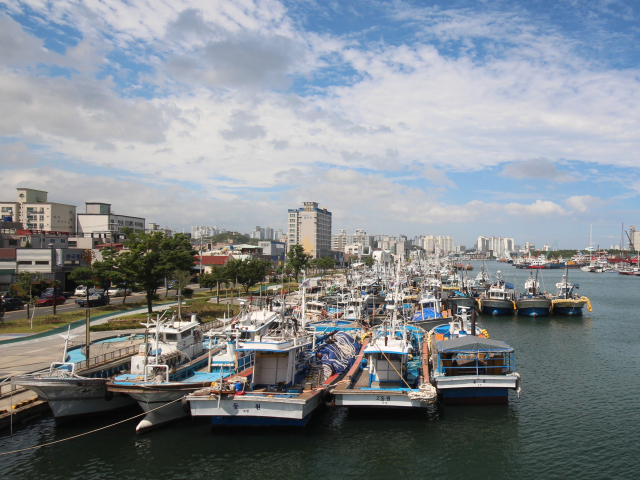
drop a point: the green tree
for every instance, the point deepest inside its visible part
(207, 280)
(369, 261)
(154, 256)
(297, 260)
(325, 263)
(84, 276)
(106, 271)
(248, 272)
(28, 283)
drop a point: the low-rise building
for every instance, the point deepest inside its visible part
(99, 221)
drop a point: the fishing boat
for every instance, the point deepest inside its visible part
(499, 299)
(279, 388)
(77, 389)
(176, 363)
(385, 374)
(566, 301)
(467, 367)
(532, 302)
(429, 310)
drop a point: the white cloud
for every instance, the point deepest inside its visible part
(220, 117)
(584, 203)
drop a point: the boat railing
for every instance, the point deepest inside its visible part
(156, 367)
(108, 357)
(60, 365)
(245, 362)
(489, 363)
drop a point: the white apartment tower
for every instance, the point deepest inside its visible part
(310, 226)
(32, 209)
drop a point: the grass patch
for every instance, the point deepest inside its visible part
(127, 323)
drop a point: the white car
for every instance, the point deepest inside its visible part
(81, 291)
(118, 292)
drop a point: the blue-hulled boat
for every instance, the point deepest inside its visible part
(429, 310)
(499, 299)
(467, 367)
(533, 303)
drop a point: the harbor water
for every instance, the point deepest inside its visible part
(577, 417)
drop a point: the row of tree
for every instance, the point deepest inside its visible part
(146, 262)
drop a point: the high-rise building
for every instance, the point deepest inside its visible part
(310, 226)
(203, 231)
(429, 244)
(339, 241)
(34, 212)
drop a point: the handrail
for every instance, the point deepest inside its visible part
(164, 367)
(507, 365)
(108, 356)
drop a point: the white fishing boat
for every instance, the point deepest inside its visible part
(381, 375)
(74, 392)
(277, 390)
(177, 365)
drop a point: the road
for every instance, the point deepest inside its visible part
(70, 304)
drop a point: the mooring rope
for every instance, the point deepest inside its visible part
(92, 431)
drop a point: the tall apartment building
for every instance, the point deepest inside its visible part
(260, 233)
(310, 226)
(444, 245)
(203, 231)
(342, 240)
(99, 222)
(34, 212)
(429, 244)
(497, 245)
(339, 241)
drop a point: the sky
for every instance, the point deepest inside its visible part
(459, 118)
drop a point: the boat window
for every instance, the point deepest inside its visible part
(187, 333)
(171, 337)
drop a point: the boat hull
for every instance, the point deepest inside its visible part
(475, 389)
(533, 307)
(465, 302)
(377, 399)
(257, 410)
(568, 310)
(161, 400)
(71, 398)
(498, 307)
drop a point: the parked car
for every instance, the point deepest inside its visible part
(47, 300)
(9, 303)
(49, 291)
(118, 291)
(95, 300)
(81, 291)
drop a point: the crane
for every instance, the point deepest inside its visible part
(550, 250)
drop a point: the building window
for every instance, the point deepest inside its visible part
(62, 240)
(42, 262)
(25, 262)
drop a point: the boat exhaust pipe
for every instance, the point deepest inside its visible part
(473, 321)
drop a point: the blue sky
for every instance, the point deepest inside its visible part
(459, 118)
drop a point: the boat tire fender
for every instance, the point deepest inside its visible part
(108, 395)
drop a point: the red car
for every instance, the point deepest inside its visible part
(48, 301)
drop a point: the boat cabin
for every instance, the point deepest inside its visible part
(278, 363)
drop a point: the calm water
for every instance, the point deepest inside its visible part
(577, 417)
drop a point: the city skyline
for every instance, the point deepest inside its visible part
(469, 119)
